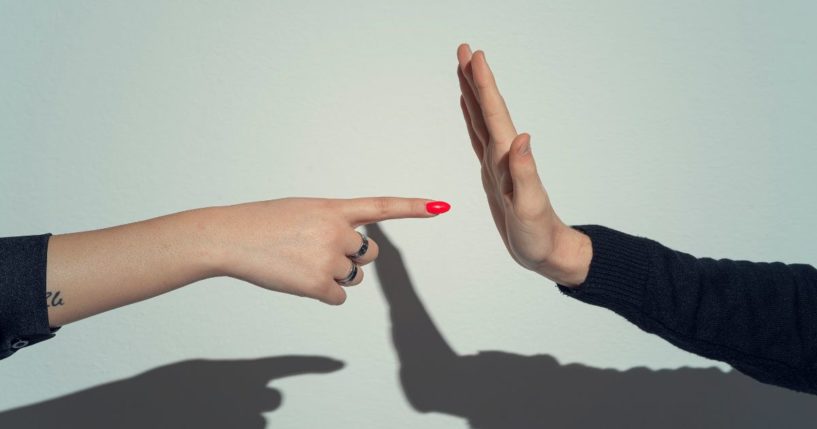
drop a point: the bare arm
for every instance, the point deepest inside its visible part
(91, 272)
(293, 245)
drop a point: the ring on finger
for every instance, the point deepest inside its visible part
(346, 281)
(364, 247)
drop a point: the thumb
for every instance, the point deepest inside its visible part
(363, 211)
(527, 186)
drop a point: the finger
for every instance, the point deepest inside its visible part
(266, 399)
(361, 211)
(269, 368)
(353, 244)
(476, 143)
(464, 59)
(332, 294)
(469, 91)
(494, 111)
(498, 213)
(529, 195)
(343, 268)
(473, 112)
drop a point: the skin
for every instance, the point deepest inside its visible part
(533, 233)
(292, 245)
(299, 245)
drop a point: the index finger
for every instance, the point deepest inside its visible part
(494, 111)
(362, 211)
(268, 368)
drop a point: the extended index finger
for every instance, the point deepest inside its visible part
(362, 211)
(262, 370)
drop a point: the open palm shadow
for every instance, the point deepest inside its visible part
(188, 394)
(496, 389)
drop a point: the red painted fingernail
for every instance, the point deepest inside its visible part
(437, 207)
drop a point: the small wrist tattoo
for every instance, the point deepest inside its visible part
(53, 298)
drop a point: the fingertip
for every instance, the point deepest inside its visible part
(521, 138)
(521, 145)
(336, 297)
(437, 207)
(463, 56)
(335, 363)
(479, 66)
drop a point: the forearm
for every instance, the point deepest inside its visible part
(758, 317)
(95, 271)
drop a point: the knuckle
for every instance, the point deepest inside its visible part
(492, 114)
(326, 265)
(335, 237)
(382, 205)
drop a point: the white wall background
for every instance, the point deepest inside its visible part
(692, 123)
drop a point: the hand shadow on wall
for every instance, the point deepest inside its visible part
(503, 390)
(188, 394)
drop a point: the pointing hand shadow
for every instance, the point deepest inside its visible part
(194, 393)
(503, 390)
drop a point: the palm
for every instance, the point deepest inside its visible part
(519, 203)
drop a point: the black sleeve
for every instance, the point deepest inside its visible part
(23, 308)
(759, 317)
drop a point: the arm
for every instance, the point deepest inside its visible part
(293, 245)
(95, 271)
(759, 317)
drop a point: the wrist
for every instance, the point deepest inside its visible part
(569, 263)
(204, 248)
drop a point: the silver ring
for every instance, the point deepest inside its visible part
(364, 246)
(348, 279)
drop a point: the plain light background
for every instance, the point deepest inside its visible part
(692, 123)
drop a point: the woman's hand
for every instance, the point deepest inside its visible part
(301, 245)
(532, 232)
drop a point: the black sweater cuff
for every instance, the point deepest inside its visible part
(23, 307)
(618, 272)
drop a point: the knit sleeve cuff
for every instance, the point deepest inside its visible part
(23, 308)
(618, 272)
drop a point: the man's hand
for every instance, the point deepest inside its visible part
(532, 232)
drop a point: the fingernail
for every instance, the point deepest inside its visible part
(525, 148)
(437, 207)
